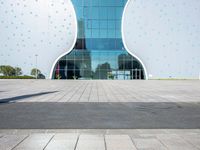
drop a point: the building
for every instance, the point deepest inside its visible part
(102, 39)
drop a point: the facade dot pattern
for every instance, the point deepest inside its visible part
(165, 35)
(30, 27)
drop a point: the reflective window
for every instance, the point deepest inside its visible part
(99, 52)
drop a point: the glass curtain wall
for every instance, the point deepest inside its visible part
(99, 52)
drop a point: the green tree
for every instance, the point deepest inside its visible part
(7, 70)
(35, 72)
(18, 71)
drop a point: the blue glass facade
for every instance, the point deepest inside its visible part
(99, 52)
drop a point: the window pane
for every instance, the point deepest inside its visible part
(103, 24)
(111, 13)
(95, 33)
(103, 34)
(94, 14)
(111, 24)
(103, 13)
(95, 24)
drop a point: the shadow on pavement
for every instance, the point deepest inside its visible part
(135, 115)
(18, 98)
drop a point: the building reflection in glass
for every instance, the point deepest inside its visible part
(99, 52)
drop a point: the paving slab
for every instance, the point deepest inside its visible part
(63, 141)
(119, 142)
(35, 142)
(8, 142)
(175, 142)
(149, 143)
(91, 142)
(193, 138)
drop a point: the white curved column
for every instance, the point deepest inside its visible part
(72, 46)
(124, 41)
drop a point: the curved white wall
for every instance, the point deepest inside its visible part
(165, 35)
(29, 27)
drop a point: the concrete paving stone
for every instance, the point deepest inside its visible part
(193, 138)
(92, 131)
(78, 131)
(152, 131)
(79, 92)
(86, 94)
(8, 142)
(145, 136)
(35, 142)
(63, 142)
(123, 131)
(175, 142)
(8, 132)
(148, 143)
(69, 95)
(91, 142)
(119, 142)
(178, 131)
(94, 95)
(61, 91)
(76, 97)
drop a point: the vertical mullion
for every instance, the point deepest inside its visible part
(115, 13)
(107, 21)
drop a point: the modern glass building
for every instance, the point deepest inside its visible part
(99, 52)
(102, 39)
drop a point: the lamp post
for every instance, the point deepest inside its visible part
(36, 55)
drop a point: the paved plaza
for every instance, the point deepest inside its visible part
(48, 104)
(99, 115)
(99, 91)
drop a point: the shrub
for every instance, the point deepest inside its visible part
(16, 77)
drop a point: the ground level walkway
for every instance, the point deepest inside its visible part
(99, 115)
(100, 139)
(99, 91)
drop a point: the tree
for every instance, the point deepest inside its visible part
(35, 72)
(18, 71)
(7, 70)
